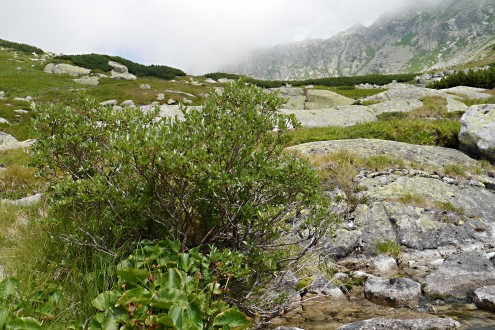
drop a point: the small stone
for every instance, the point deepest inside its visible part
(21, 111)
(384, 264)
(128, 104)
(187, 101)
(171, 102)
(484, 297)
(4, 121)
(145, 86)
(109, 102)
(160, 97)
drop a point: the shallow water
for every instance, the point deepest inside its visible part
(328, 313)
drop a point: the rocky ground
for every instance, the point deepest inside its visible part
(416, 249)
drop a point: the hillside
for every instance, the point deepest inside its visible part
(414, 40)
(307, 206)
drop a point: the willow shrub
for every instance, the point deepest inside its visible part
(218, 176)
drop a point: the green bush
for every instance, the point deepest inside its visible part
(377, 79)
(28, 49)
(100, 62)
(480, 79)
(220, 176)
(158, 286)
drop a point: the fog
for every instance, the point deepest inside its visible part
(197, 36)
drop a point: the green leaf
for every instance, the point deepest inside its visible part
(4, 314)
(172, 279)
(137, 295)
(186, 316)
(172, 245)
(234, 318)
(105, 300)
(133, 276)
(8, 287)
(166, 297)
(25, 323)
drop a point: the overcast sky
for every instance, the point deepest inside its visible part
(197, 36)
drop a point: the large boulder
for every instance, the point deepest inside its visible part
(63, 68)
(397, 292)
(410, 324)
(477, 135)
(120, 71)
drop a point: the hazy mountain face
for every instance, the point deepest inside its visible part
(426, 35)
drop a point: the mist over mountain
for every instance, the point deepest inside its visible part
(426, 35)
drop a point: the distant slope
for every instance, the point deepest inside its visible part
(414, 40)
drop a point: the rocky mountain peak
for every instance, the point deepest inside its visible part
(418, 38)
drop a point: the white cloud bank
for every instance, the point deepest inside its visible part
(197, 36)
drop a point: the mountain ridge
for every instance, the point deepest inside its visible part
(450, 33)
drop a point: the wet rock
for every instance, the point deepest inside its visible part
(322, 286)
(460, 275)
(383, 264)
(485, 297)
(410, 324)
(397, 292)
(477, 135)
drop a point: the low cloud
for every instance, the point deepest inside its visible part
(197, 36)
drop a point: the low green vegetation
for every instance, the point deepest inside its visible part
(27, 49)
(100, 63)
(473, 78)
(439, 132)
(389, 248)
(160, 286)
(376, 79)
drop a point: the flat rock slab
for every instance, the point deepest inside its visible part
(398, 105)
(468, 92)
(411, 324)
(311, 99)
(426, 155)
(396, 292)
(92, 81)
(406, 91)
(337, 116)
(460, 275)
(485, 297)
(469, 197)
